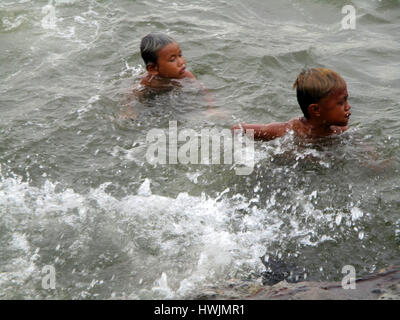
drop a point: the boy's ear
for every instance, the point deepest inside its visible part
(152, 68)
(314, 110)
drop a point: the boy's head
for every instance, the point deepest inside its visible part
(162, 56)
(317, 85)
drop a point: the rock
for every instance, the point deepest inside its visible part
(382, 285)
(278, 270)
(377, 291)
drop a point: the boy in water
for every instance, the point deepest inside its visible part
(165, 67)
(164, 61)
(322, 96)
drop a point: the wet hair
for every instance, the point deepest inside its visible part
(151, 44)
(314, 84)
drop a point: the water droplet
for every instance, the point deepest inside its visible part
(144, 189)
(356, 213)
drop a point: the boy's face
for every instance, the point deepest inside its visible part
(334, 109)
(170, 63)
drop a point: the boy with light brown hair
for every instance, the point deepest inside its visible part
(323, 98)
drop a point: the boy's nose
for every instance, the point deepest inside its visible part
(348, 106)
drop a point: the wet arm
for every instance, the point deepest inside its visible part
(264, 131)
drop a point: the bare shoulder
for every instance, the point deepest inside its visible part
(188, 74)
(294, 124)
(145, 80)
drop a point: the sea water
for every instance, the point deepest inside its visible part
(78, 194)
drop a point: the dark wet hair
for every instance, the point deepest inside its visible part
(314, 84)
(151, 44)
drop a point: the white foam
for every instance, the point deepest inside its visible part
(144, 189)
(205, 237)
(193, 176)
(20, 242)
(88, 106)
(162, 287)
(58, 2)
(338, 219)
(132, 71)
(13, 24)
(356, 213)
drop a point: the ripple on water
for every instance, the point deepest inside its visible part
(76, 190)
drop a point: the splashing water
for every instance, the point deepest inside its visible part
(76, 190)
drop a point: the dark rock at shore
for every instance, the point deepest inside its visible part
(382, 285)
(278, 270)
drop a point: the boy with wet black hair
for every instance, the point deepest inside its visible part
(164, 60)
(165, 66)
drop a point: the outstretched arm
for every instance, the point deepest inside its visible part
(264, 131)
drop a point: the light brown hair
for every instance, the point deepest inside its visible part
(314, 84)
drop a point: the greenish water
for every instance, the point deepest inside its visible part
(76, 190)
